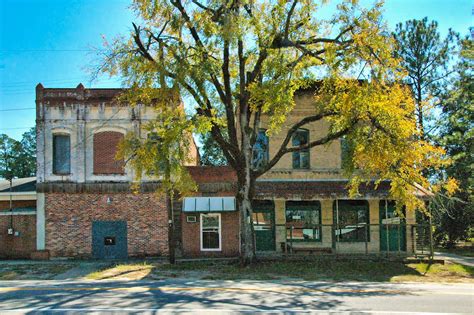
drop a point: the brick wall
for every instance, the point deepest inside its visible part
(230, 236)
(105, 149)
(69, 220)
(5, 205)
(212, 174)
(24, 244)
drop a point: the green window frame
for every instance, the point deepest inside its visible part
(301, 158)
(303, 216)
(351, 219)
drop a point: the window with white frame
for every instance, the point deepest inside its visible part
(210, 232)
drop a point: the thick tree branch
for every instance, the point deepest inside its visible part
(141, 48)
(229, 106)
(288, 18)
(197, 39)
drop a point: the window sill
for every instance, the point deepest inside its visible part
(108, 174)
(211, 250)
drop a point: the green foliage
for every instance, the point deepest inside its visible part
(163, 152)
(238, 61)
(211, 153)
(18, 158)
(455, 216)
(426, 58)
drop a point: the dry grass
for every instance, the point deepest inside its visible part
(33, 271)
(123, 272)
(324, 269)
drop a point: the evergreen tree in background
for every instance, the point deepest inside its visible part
(454, 216)
(18, 158)
(211, 153)
(426, 58)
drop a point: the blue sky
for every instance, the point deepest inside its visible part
(50, 42)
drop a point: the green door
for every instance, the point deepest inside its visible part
(264, 226)
(392, 228)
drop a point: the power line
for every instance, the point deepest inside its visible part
(14, 83)
(49, 50)
(16, 109)
(16, 128)
(24, 84)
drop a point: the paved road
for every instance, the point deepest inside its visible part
(197, 296)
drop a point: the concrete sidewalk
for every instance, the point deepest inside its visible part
(463, 260)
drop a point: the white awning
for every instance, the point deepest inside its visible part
(209, 204)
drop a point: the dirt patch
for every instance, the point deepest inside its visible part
(33, 271)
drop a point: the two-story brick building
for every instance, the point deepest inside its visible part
(85, 207)
(301, 204)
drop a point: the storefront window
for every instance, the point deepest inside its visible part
(303, 221)
(211, 232)
(351, 218)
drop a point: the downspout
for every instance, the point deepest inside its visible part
(11, 203)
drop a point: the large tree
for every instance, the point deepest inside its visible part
(427, 58)
(18, 158)
(455, 215)
(235, 61)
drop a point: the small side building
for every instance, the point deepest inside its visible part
(18, 218)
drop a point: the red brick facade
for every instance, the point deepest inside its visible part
(20, 246)
(191, 233)
(105, 150)
(69, 220)
(5, 205)
(230, 236)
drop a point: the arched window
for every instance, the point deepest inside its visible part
(105, 149)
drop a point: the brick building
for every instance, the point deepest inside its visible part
(301, 204)
(85, 207)
(84, 197)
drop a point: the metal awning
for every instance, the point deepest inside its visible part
(209, 204)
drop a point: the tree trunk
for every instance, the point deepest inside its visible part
(247, 239)
(419, 99)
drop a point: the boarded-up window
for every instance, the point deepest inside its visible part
(105, 149)
(61, 154)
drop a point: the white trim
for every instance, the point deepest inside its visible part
(6, 213)
(40, 222)
(220, 233)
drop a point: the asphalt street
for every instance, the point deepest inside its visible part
(206, 297)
